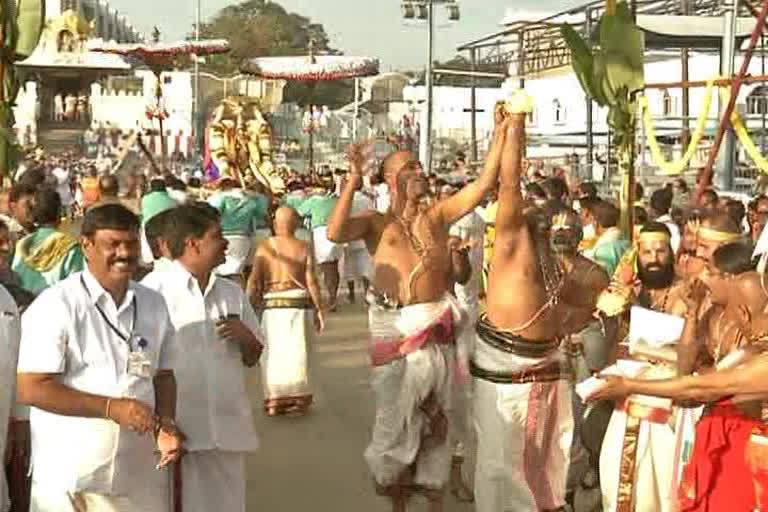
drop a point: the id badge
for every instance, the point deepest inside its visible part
(139, 364)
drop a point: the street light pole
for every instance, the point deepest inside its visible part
(429, 85)
(196, 104)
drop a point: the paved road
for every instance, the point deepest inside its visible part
(315, 462)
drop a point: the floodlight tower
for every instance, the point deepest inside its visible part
(424, 10)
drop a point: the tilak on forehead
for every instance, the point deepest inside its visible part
(653, 236)
(564, 220)
(712, 234)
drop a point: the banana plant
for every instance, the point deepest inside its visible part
(21, 24)
(611, 74)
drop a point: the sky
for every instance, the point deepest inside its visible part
(358, 27)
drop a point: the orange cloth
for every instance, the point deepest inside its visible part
(91, 191)
(757, 460)
(717, 477)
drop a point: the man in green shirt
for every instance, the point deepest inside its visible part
(46, 256)
(611, 243)
(319, 207)
(243, 223)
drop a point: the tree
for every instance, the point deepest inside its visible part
(258, 28)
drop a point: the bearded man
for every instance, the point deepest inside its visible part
(648, 483)
(717, 477)
(522, 402)
(412, 318)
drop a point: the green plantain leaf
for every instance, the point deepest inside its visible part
(624, 46)
(30, 20)
(8, 20)
(582, 63)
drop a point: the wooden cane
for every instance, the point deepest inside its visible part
(178, 505)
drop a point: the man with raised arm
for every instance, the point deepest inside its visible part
(522, 403)
(412, 319)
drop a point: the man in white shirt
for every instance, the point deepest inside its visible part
(357, 262)
(660, 205)
(93, 363)
(9, 352)
(64, 188)
(215, 327)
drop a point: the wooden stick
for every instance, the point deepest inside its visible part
(149, 155)
(705, 176)
(178, 505)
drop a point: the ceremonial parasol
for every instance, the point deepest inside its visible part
(160, 57)
(311, 68)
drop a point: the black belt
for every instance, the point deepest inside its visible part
(548, 373)
(512, 343)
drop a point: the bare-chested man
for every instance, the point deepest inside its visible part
(412, 318)
(587, 348)
(717, 476)
(284, 286)
(522, 402)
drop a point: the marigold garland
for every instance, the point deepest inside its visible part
(744, 137)
(676, 166)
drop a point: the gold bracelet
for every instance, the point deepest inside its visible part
(106, 409)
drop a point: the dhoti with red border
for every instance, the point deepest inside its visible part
(523, 419)
(413, 359)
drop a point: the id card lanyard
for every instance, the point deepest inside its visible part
(142, 343)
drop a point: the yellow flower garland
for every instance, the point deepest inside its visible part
(743, 134)
(676, 166)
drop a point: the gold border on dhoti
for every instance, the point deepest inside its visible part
(636, 413)
(626, 495)
(287, 303)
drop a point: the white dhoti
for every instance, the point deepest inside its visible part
(357, 262)
(153, 498)
(413, 362)
(287, 324)
(524, 431)
(654, 490)
(325, 250)
(238, 253)
(214, 480)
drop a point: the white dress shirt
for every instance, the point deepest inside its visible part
(9, 352)
(471, 228)
(213, 409)
(63, 332)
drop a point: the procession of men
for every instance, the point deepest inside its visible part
(525, 352)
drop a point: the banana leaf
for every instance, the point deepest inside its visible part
(10, 29)
(623, 45)
(30, 19)
(582, 63)
(606, 88)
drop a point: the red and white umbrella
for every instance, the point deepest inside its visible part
(312, 67)
(158, 55)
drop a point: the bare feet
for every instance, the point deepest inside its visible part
(459, 488)
(435, 501)
(399, 503)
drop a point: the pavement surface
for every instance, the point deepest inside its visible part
(315, 462)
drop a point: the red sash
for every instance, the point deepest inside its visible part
(717, 477)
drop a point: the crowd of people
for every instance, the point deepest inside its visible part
(132, 303)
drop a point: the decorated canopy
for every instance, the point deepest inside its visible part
(312, 68)
(161, 55)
